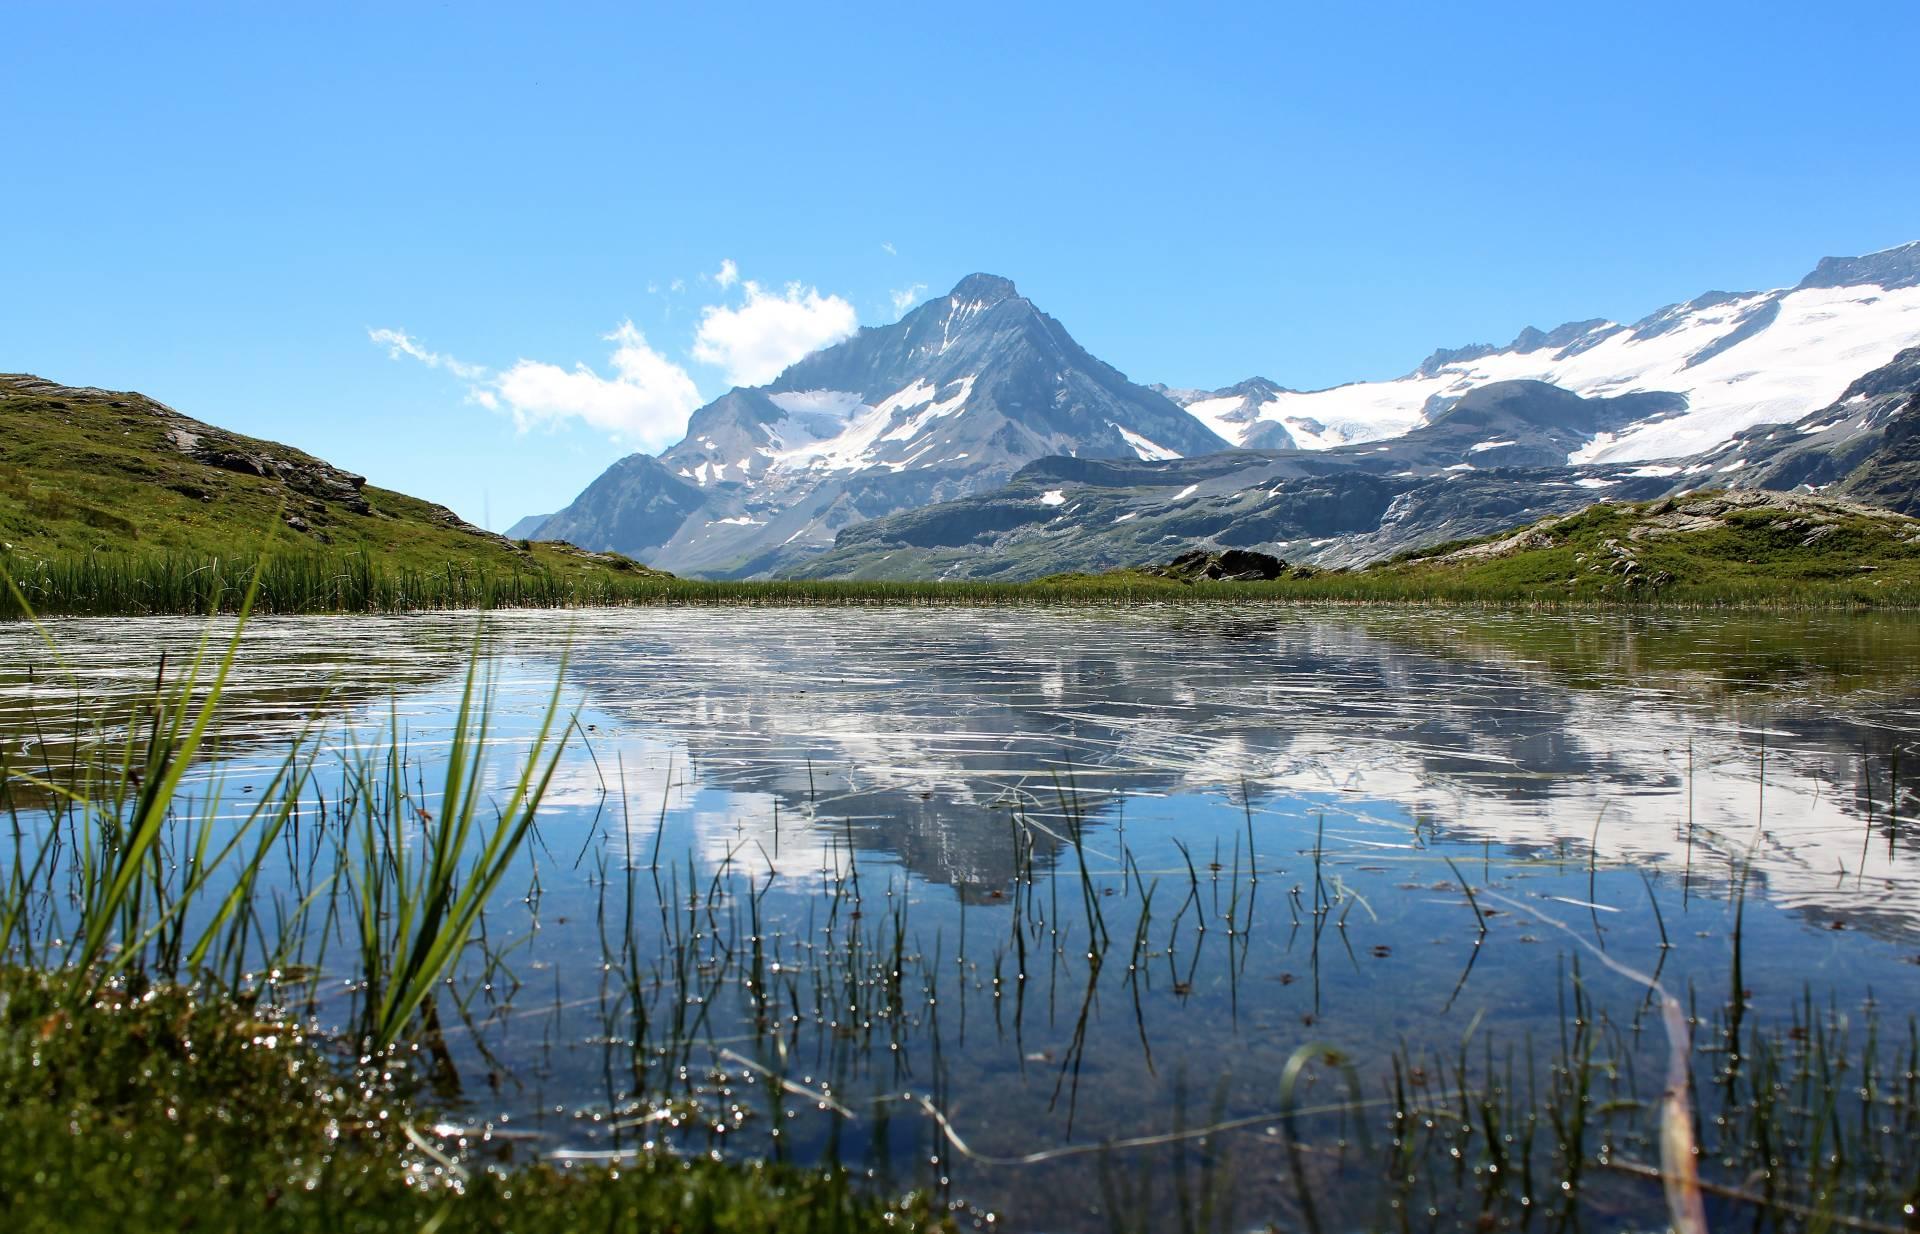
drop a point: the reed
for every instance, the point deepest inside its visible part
(124, 584)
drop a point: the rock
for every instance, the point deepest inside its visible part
(1233, 565)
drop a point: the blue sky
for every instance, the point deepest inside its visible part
(216, 205)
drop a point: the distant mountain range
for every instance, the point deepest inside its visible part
(1473, 471)
(975, 438)
(1734, 359)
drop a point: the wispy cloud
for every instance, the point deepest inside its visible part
(886, 246)
(905, 298)
(399, 343)
(645, 402)
(727, 275)
(753, 342)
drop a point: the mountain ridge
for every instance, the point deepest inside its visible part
(968, 390)
(1739, 358)
(1357, 504)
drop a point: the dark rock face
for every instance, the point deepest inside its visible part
(1522, 424)
(1330, 508)
(1890, 268)
(299, 472)
(1890, 475)
(1490, 461)
(1443, 356)
(637, 501)
(1860, 447)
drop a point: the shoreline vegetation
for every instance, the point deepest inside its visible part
(185, 584)
(163, 1063)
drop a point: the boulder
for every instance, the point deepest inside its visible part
(1233, 565)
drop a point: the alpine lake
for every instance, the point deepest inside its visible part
(1099, 918)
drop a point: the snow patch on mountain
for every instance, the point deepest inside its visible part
(1225, 416)
(1147, 450)
(1739, 359)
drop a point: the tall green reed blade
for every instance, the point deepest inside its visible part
(435, 903)
(123, 878)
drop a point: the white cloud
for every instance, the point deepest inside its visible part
(886, 246)
(399, 343)
(645, 402)
(754, 342)
(727, 275)
(905, 298)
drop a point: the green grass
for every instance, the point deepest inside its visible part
(102, 511)
(1752, 558)
(173, 1109)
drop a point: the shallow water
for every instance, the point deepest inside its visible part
(894, 795)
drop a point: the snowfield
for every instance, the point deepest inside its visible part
(1756, 358)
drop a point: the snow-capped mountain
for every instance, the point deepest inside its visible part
(1493, 460)
(952, 399)
(938, 410)
(1733, 359)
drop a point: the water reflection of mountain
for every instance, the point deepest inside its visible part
(920, 733)
(916, 732)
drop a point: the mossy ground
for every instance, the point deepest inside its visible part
(172, 1111)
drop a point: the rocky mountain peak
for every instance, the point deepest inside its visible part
(951, 399)
(1890, 269)
(986, 289)
(1253, 387)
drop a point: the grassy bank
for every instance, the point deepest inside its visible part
(175, 1109)
(114, 585)
(113, 503)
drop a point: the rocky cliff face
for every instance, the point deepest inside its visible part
(1475, 470)
(1862, 446)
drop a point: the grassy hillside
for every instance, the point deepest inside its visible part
(118, 493)
(1709, 548)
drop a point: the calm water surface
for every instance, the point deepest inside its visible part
(805, 876)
